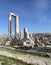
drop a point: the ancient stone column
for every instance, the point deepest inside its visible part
(21, 34)
(16, 27)
(9, 27)
(26, 34)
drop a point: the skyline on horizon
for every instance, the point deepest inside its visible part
(35, 15)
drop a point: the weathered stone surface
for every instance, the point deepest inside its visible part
(7, 43)
(16, 30)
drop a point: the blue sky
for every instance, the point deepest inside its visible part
(33, 14)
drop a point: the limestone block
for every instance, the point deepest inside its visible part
(7, 43)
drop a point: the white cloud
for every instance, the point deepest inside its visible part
(40, 7)
(41, 4)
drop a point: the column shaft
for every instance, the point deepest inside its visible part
(9, 27)
(16, 26)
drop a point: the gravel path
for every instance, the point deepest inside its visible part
(28, 58)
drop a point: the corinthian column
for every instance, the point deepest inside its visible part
(16, 27)
(9, 27)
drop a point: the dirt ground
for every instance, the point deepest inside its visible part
(28, 58)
